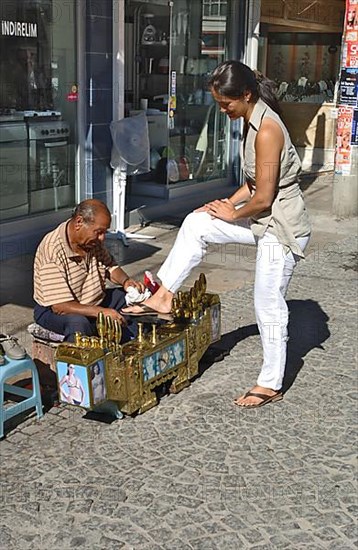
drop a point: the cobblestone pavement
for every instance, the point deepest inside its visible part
(196, 472)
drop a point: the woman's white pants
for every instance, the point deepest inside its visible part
(274, 270)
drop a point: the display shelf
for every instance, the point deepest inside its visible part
(157, 44)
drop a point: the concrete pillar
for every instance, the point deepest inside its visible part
(345, 190)
(253, 33)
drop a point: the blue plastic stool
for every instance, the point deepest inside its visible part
(11, 368)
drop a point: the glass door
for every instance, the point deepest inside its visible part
(147, 60)
(49, 175)
(170, 50)
(198, 131)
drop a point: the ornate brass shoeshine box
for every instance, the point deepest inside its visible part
(169, 352)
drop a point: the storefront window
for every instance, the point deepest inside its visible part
(197, 128)
(38, 98)
(170, 52)
(304, 65)
(214, 7)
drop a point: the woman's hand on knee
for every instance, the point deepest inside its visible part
(203, 208)
(222, 209)
(226, 207)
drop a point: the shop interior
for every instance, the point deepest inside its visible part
(300, 48)
(170, 52)
(37, 122)
(304, 65)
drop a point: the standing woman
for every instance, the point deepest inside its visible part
(267, 211)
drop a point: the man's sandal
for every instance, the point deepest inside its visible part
(263, 396)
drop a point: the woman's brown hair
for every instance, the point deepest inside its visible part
(233, 78)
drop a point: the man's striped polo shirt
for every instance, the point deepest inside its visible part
(61, 276)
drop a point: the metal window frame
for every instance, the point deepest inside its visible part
(80, 183)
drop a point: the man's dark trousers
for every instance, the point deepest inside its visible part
(69, 324)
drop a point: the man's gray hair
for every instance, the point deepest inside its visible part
(88, 209)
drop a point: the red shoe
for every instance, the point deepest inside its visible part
(150, 283)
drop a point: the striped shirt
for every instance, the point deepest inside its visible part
(61, 276)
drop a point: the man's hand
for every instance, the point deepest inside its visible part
(119, 277)
(114, 314)
(137, 284)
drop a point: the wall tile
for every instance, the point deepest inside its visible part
(101, 141)
(99, 35)
(99, 8)
(99, 69)
(99, 111)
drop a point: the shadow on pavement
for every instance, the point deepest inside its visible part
(16, 281)
(135, 251)
(307, 329)
(218, 351)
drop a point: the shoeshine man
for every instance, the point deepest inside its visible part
(70, 271)
(268, 211)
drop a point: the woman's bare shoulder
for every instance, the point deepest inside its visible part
(270, 130)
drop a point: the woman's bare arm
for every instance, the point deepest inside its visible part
(268, 146)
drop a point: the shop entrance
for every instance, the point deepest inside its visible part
(170, 51)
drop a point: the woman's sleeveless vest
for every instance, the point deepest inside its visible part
(287, 218)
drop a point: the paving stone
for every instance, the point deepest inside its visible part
(111, 544)
(79, 506)
(281, 542)
(103, 509)
(177, 544)
(213, 527)
(78, 542)
(141, 499)
(328, 534)
(204, 544)
(338, 519)
(6, 537)
(299, 537)
(235, 523)
(191, 531)
(175, 519)
(350, 531)
(134, 538)
(229, 540)
(188, 502)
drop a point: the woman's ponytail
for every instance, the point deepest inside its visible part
(267, 91)
(233, 78)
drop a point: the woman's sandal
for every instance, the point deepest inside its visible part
(148, 312)
(264, 396)
(143, 310)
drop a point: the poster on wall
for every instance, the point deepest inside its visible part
(351, 20)
(354, 137)
(349, 87)
(352, 55)
(343, 147)
(350, 51)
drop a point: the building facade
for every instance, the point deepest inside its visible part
(300, 48)
(70, 67)
(39, 155)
